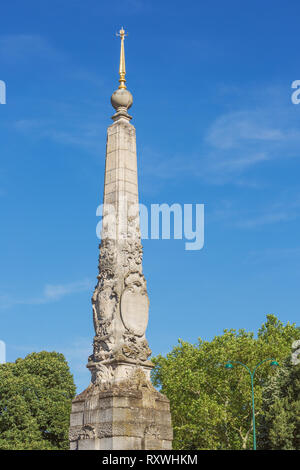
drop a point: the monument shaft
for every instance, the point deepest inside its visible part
(120, 301)
(120, 409)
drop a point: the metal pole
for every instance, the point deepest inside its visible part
(253, 413)
(274, 363)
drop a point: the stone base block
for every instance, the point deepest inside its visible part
(131, 415)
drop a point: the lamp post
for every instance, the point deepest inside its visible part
(229, 365)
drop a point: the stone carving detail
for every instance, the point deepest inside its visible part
(101, 373)
(135, 348)
(153, 431)
(90, 432)
(137, 380)
(120, 301)
(73, 435)
(86, 432)
(134, 380)
(107, 259)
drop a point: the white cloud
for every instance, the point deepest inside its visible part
(57, 291)
(232, 129)
(274, 254)
(51, 293)
(80, 134)
(285, 209)
(237, 164)
(16, 48)
(19, 49)
(267, 218)
(238, 142)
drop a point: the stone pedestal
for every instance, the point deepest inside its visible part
(131, 415)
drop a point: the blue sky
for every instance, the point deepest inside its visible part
(215, 124)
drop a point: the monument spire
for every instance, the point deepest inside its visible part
(120, 409)
(122, 99)
(122, 69)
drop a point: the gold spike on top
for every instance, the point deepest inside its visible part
(122, 70)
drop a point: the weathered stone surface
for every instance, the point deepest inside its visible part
(120, 301)
(129, 415)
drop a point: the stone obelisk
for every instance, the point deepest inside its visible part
(120, 409)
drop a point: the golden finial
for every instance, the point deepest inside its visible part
(122, 70)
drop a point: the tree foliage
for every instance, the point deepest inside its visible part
(35, 402)
(211, 406)
(280, 421)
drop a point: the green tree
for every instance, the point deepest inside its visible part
(35, 402)
(280, 421)
(210, 406)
